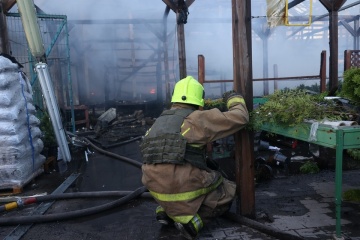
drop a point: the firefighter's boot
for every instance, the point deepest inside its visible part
(191, 229)
(162, 217)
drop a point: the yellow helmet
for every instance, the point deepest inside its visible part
(188, 90)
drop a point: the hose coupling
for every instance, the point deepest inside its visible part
(20, 202)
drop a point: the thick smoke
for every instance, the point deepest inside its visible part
(114, 57)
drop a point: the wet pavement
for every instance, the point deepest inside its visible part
(300, 205)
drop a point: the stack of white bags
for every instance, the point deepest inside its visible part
(20, 143)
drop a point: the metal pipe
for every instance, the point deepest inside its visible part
(31, 27)
(51, 103)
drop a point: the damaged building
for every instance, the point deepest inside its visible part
(81, 82)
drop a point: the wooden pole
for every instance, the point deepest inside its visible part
(244, 143)
(333, 9)
(4, 38)
(181, 49)
(323, 72)
(166, 58)
(201, 69)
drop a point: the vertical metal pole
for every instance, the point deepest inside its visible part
(334, 55)
(276, 74)
(265, 41)
(356, 35)
(69, 78)
(244, 149)
(338, 178)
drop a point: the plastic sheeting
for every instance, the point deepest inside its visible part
(20, 143)
(275, 12)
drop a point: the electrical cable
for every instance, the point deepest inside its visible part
(71, 215)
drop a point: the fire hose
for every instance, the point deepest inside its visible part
(128, 196)
(78, 213)
(73, 214)
(23, 202)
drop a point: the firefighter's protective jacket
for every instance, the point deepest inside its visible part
(179, 186)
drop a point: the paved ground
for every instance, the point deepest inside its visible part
(301, 205)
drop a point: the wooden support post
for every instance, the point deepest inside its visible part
(334, 48)
(323, 72)
(244, 143)
(166, 58)
(347, 60)
(181, 49)
(201, 69)
(178, 8)
(4, 38)
(8, 4)
(333, 9)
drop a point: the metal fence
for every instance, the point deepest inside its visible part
(54, 31)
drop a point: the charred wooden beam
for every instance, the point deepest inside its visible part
(170, 4)
(189, 2)
(7, 5)
(4, 37)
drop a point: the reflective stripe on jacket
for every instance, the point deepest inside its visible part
(164, 180)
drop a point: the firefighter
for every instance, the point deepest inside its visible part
(174, 168)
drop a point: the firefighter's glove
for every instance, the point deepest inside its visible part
(232, 98)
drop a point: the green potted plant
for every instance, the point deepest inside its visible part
(48, 136)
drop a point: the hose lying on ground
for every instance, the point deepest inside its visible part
(231, 216)
(22, 202)
(71, 215)
(138, 192)
(125, 159)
